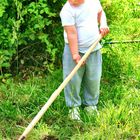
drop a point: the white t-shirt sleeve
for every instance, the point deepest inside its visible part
(67, 18)
(99, 6)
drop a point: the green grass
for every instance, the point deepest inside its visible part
(20, 100)
(118, 105)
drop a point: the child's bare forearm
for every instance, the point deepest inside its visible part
(72, 39)
(73, 43)
(104, 29)
(102, 19)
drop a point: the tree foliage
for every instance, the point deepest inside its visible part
(31, 34)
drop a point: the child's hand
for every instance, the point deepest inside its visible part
(104, 31)
(77, 58)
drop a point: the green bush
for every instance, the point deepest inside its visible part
(27, 30)
(121, 10)
(31, 35)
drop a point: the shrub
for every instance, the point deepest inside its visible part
(31, 37)
(28, 29)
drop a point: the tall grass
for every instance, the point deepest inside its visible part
(119, 99)
(118, 105)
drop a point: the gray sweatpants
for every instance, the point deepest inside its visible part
(88, 75)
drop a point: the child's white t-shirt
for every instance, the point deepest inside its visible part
(84, 17)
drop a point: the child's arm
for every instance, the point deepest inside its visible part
(73, 42)
(104, 29)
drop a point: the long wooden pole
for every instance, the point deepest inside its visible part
(57, 91)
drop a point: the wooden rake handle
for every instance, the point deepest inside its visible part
(58, 90)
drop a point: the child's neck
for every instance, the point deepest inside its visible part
(75, 2)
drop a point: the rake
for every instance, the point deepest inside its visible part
(57, 91)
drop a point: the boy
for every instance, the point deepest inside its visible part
(80, 19)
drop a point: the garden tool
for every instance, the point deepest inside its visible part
(58, 90)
